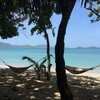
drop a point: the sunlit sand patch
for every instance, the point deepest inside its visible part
(32, 97)
(57, 98)
(95, 96)
(22, 74)
(20, 85)
(49, 98)
(74, 77)
(39, 81)
(9, 77)
(28, 79)
(50, 86)
(36, 89)
(97, 81)
(9, 80)
(2, 82)
(57, 94)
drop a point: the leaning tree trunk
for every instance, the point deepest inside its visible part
(46, 37)
(66, 7)
(48, 55)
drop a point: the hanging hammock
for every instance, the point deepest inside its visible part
(76, 70)
(17, 69)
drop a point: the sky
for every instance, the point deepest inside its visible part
(79, 33)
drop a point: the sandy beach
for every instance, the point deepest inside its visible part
(26, 86)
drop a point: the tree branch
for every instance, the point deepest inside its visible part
(98, 15)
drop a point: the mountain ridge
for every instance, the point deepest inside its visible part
(7, 45)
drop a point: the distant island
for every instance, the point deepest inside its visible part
(3, 45)
(91, 47)
(7, 45)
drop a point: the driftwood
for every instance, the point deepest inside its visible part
(76, 70)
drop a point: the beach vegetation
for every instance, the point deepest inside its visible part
(40, 69)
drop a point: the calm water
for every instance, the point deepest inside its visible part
(75, 57)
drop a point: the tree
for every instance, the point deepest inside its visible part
(7, 27)
(41, 19)
(94, 8)
(37, 11)
(11, 16)
(66, 8)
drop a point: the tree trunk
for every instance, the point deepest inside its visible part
(66, 7)
(47, 39)
(60, 63)
(48, 55)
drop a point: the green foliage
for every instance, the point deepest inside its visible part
(30, 60)
(10, 18)
(7, 28)
(90, 14)
(94, 8)
(39, 68)
(38, 12)
(41, 18)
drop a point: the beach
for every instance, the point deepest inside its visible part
(25, 86)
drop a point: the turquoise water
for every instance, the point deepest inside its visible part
(80, 57)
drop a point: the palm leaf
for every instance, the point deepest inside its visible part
(43, 61)
(52, 56)
(42, 58)
(29, 59)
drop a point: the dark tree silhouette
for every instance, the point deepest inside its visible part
(66, 8)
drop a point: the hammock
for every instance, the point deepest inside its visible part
(76, 70)
(17, 69)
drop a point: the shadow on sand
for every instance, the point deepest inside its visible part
(85, 87)
(27, 87)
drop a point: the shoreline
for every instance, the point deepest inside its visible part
(91, 73)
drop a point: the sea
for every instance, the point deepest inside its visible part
(77, 57)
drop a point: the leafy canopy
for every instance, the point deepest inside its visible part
(38, 13)
(13, 12)
(94, 8)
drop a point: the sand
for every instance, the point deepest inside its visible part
(26, 86)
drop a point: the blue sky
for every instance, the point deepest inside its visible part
(80, 31)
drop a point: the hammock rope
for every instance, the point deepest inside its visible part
(76, 70)
(73, 70)
(17, 69)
